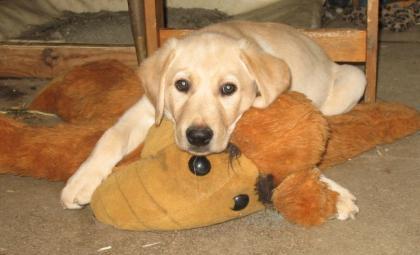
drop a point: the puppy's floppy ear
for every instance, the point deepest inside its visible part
(152, 74)
(271, 74)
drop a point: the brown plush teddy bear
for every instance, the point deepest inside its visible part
(287, 142)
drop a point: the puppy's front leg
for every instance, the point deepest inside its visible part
(119, 140)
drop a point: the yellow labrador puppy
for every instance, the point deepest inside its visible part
(205, 81)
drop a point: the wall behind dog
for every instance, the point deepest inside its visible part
(231, 7)
(18, 15)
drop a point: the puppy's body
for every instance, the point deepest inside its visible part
(310, 68)
(333, 88)
(207, 80)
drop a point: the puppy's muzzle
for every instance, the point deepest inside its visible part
(199, 136)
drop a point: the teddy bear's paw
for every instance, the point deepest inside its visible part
(346, 206)
(79, 189)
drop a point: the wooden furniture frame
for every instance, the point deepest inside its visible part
(46, 60)
(342, 45)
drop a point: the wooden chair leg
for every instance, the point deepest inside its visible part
(154, 20)
(372, 50)
(136, 11)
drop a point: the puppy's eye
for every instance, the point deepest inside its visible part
(182, 85)
(227, 89)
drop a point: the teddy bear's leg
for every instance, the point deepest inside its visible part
(96, 92)
(309, 198)
(10, 135)
(345, 92)
(53, 153)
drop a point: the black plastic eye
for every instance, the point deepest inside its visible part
(227, 89)
(199, 165)
(182, 85)
(241, 201)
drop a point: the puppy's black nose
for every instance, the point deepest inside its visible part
(199, 136)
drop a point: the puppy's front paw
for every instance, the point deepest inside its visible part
(346, 206)
(79, 189)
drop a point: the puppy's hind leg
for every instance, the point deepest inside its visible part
(347, 89)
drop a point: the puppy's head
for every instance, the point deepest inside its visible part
(205, 82)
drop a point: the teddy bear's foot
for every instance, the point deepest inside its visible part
(302, 198)
(308, 198)
(346, 206)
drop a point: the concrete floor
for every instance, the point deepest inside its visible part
(386, 182)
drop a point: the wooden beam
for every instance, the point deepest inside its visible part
(372, 50)
(342, 45)
(49, 60)
(166, 33)
(153, 15)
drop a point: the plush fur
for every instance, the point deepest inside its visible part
(89, 99)
(283, 138)
(288, 140)
(159, 192)
(303, 199)
(365, 126)
(95, 93)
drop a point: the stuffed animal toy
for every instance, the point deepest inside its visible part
(274, 158)
(169, 189)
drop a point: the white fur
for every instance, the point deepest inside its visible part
(346, 207)
(122, 138)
